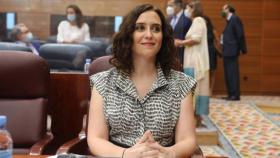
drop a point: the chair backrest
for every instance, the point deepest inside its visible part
(14, 46)
(98, 47)
(100, 64)
(65, 56)
(24, 82)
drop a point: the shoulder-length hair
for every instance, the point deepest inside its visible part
(79, 14)
(123, 41)
(197, 9)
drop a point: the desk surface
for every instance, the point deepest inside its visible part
(29, 156)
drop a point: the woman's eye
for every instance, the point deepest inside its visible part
(156, 28)
(140, 28)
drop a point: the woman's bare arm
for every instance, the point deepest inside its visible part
(98, 133)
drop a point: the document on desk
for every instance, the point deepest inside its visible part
(73, 156)
(69, 156)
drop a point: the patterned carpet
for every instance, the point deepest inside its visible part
(246, 128)
(213, 151)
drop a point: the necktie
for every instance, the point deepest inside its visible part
(173, 22)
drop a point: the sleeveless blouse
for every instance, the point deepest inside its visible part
(128, 116)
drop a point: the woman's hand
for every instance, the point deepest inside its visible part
(141, 149)
(164, 152)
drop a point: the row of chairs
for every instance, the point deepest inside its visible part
(66, 56)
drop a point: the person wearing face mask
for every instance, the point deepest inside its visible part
(180, 24)
(233, 42)
(22, 35)
(74, 29)
(196, 58)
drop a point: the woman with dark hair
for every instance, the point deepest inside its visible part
(142, 107)
(196, 58)
(74, 29)
(213, 49)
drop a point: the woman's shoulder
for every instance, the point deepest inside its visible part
(199, 19)
(184, 82)
(103, 76)
(64, 22)
(178, 76)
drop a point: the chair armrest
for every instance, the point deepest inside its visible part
(70, 145)
(38, 147)
(197, 153)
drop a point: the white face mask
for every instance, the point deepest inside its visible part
(170, 11)
(28, 37)
(187, 13)
(71, 17)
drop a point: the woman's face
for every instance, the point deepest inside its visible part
(71, 15)
(147, 37)
(70, 11)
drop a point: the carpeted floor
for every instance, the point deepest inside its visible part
(249, 131)
(213, 151)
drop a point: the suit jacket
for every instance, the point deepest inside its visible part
(180, 31)
(182, 27)
(234, 38)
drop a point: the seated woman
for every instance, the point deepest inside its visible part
(74, 29)
(142, 107)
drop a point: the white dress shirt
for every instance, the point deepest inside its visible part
(68, 32)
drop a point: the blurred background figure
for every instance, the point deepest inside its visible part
(74, 29)
(22, 35)
(180, 24)
(233, 42)
(213, 49)
(196, 58)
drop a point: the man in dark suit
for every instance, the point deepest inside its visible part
(233, 42)
(180, 24)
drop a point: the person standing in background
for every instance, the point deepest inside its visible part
(180, 24)
(213, 49)
(196, 58)
(233, 42)
(74, 29)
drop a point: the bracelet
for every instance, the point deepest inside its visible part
(123, 153)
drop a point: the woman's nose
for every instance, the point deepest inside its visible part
(148, 33)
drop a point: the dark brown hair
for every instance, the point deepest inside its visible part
(79, 14)
(197, 9)
(123, 41)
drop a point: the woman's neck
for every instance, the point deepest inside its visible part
(73, 23)
(144, 67)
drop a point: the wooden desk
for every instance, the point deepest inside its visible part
(29, 156)
(69, 94)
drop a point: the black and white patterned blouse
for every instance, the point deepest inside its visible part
(128, 116)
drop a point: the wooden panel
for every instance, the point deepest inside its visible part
(253, 46)
(250, 64)
(270, 84)
(271, 28)
(41, 28)
(88, 7)
(272, 9)
(69, 94)
(271, 47)
(248, 83)
(271, 65)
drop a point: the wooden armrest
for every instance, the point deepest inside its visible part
(66, 147)
(38, 147)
